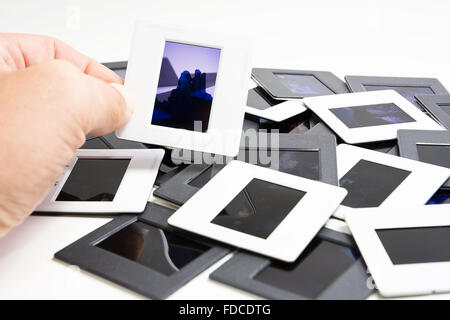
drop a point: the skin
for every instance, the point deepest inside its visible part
(51, 97)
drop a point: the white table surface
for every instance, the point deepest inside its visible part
(347, 37)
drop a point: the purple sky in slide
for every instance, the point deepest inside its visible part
(190, 57)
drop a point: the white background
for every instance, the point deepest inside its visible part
(347, 37)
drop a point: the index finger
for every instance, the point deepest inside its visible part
(20, 51)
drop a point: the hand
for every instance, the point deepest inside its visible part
(51, 96)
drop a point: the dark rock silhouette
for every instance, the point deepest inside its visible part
(187, 103)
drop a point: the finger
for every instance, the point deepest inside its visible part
(107, 108)
(19, 51)
(84, 63)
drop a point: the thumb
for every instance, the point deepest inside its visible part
(109, 106)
